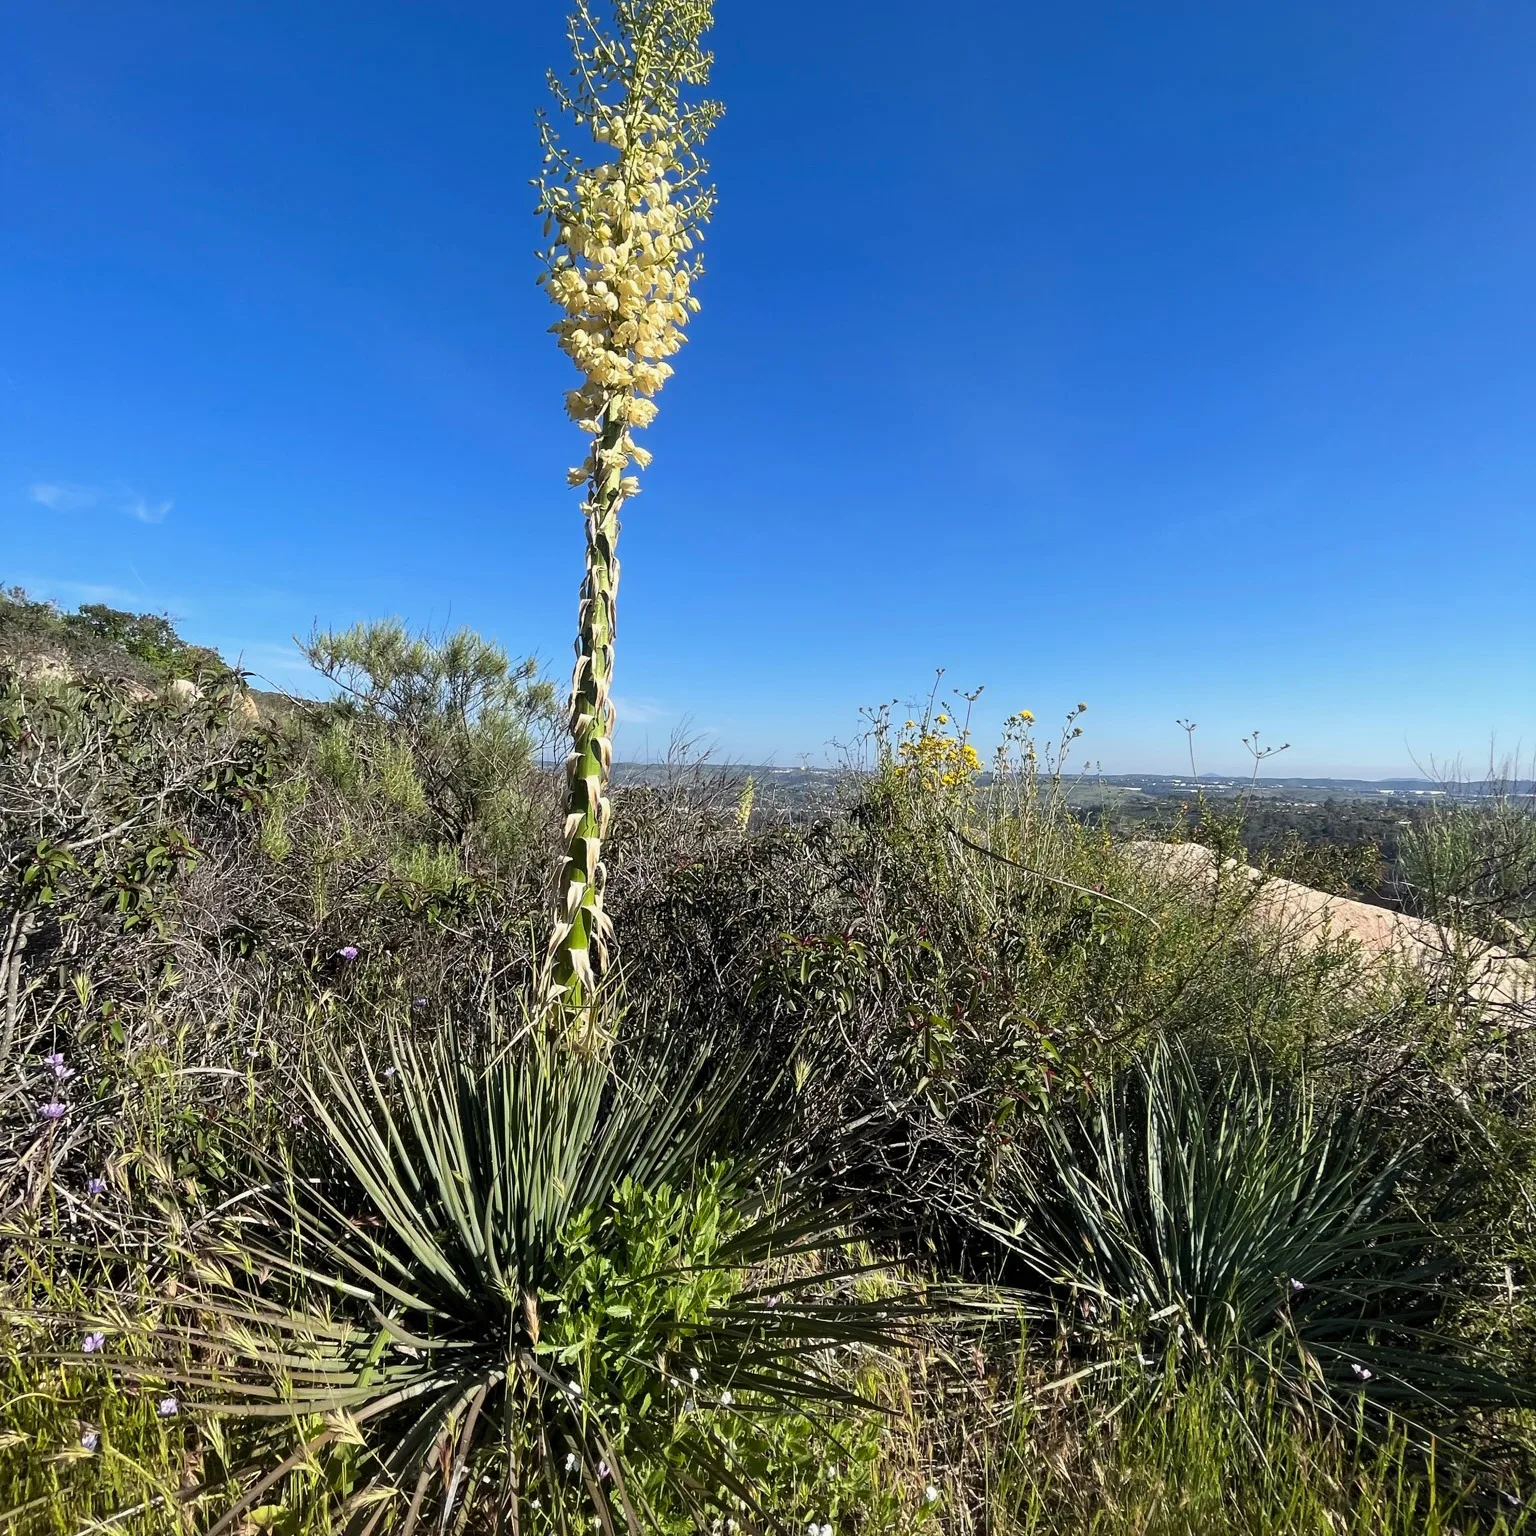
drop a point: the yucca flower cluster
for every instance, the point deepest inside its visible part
(622, 268)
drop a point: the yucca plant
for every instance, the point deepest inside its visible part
(620, 267)
(1211, 1215)
(519, 1295)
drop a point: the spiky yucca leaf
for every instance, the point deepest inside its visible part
(1217, 1214)
(521, 1287)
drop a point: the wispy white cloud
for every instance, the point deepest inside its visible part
(61, 496)
(146, 511)
(64, 498)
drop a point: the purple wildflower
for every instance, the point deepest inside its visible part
(347, 952)
(168, 1408)
(97, 1186)
(418, 1002)
(53, 1110)
(1362, 1372)
(90, 1440)
(93, 1343)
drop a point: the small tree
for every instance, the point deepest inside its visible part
(620, 269)
(448, 723)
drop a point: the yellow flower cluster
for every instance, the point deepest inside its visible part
(936, 762)
(620, 271)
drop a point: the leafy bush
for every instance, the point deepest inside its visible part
(1473, 865)
(96, 640)
(109, 805)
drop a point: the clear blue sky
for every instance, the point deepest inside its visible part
(1179, 358)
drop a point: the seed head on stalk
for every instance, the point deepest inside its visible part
(621, 267)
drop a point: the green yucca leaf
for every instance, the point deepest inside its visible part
(1218, 1215)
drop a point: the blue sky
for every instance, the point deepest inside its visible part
(1178, 358)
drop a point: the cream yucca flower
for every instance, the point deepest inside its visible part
(620, 267)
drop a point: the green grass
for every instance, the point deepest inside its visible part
(1106, 1456)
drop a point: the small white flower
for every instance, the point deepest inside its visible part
(1297, 1286)
(1362, 1372)
(726, 1399)
(570, 1462)
(693, 1373)
(169, 1408)
(90, 1440)
(930, 1494)
(574, 1388)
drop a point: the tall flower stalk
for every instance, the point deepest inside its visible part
(623, 229)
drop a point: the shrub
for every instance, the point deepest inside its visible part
(1473, 865)
(440, 733)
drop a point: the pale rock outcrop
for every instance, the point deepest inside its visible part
(1486, 974)
(243, 713)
